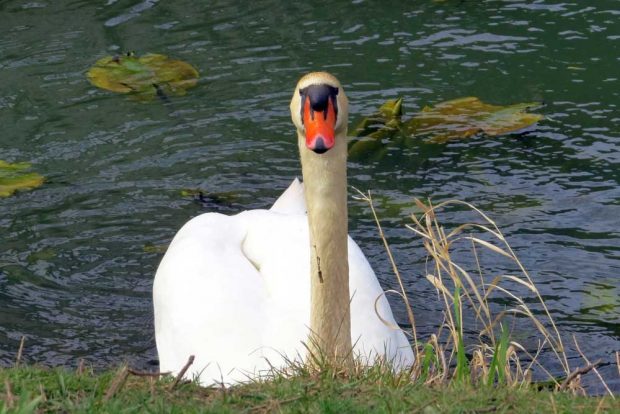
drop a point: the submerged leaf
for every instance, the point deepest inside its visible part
(13, 177)
(155, 248)
(376, 142)
(377, 130)
(600, 302)
(147, 76)
(389, 111)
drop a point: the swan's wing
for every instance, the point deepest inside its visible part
(209, 301)
(292, 200)
(278, 245)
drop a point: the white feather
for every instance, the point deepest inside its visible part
(234, 291)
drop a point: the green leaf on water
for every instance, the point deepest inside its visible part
(377, 130)
(14, 177)
(147, 77)
(390, 110)
(455, 119)
(464, 117)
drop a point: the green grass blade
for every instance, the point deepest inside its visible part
(462, 364)
(496, 368)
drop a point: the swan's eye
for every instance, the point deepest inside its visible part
(319, 113)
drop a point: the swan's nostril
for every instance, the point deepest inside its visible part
(319, 146)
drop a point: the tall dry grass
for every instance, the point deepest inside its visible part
(494, 357)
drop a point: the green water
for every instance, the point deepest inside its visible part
(75, 278)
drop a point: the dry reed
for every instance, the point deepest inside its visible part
(493, 358)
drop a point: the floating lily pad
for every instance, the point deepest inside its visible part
(14, 177)
(147, 77)
(454, 119)
(464, 117)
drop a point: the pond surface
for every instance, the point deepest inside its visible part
(76, 269)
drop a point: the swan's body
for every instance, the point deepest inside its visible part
(235, 291)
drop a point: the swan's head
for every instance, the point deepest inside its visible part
(319, 110)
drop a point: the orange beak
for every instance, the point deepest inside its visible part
(320, 127)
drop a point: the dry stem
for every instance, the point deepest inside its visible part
(20, 351)
(117, 383)
(579, 371)
(8, 394)
(179, 377)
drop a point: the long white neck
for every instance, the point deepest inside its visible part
(325, 185)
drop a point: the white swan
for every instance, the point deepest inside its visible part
(243, 292)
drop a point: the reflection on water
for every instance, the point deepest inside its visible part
(74, 274)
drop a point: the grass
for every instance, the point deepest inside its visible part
(494, 358)
(453, 373)
(35, 389)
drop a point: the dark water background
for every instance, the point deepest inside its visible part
(75, 278)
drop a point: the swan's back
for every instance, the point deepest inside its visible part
(292, 200)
